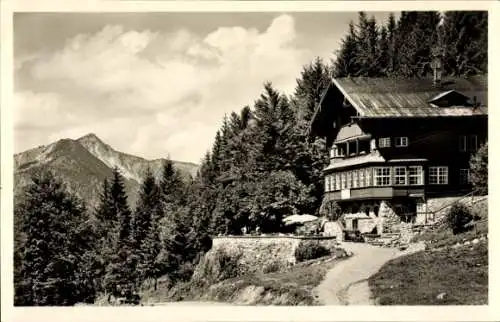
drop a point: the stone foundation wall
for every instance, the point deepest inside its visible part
(390, 220)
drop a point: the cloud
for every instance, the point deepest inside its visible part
(154, 93)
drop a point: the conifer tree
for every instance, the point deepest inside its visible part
(392, 45)
(383, 53)
(366, 57)
(417, 34)
(465, 36)
(120, 279)
(147, 215)
(312, 83)
(180, 247)
(172, 186)
(346, 62)
(274, 117)
(106, 227)
(308, 158)
(52, 259)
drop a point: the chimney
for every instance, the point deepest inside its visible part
(475, 103)
(436, 65)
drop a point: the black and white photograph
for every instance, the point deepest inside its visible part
(327, 158)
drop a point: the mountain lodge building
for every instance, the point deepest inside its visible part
(394, 143)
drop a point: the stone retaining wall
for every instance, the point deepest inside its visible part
(255, 248)
(255, 253)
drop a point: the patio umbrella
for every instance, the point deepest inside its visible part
(299, 219)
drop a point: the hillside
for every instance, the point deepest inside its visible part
(84, 163)
(452, 270)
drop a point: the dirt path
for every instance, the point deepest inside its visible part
(188, 303)
(347, 282)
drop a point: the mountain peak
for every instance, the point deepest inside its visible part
(90, 136)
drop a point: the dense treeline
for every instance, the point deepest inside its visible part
(404, 48)
(261, 167)
(65, 253)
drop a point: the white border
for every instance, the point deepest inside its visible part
(234, 313)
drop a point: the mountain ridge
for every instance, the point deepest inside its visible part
(83, 164)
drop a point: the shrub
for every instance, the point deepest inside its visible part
(330, 209)
(479, 170)
(228, 264)
(272, 268)
(457, 217)
(308, 250)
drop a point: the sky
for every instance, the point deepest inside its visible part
(156, 84)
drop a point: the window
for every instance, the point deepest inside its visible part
(355, 224)
(327, 183)
(472, 143)
(438, 175)
(401, 141)
(463, 143)
(468, 143)
(344, 180)
(382, 176)
(340, 151)
(400, 176)
(333, 152)
(337, 181)
(415, 175)
(368, 177)
(384, 142)
(362, 178)
(355, 179)
(464, 176)
(349, 179)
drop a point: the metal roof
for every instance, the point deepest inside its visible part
(372, 157)
(398, 97)
(443, 94)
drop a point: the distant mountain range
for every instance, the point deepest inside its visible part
(84, 163)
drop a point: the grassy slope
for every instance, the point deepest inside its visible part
(442, 236)
(294, 286)
(417, 279)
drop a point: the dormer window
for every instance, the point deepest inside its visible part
(401, 141)
(450, 98)
(384, 142)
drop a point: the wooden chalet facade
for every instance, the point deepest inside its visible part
(400, 140)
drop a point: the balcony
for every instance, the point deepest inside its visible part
(339, 163)
(375, 193)
(404, 178)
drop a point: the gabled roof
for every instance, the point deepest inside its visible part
(398, 97)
